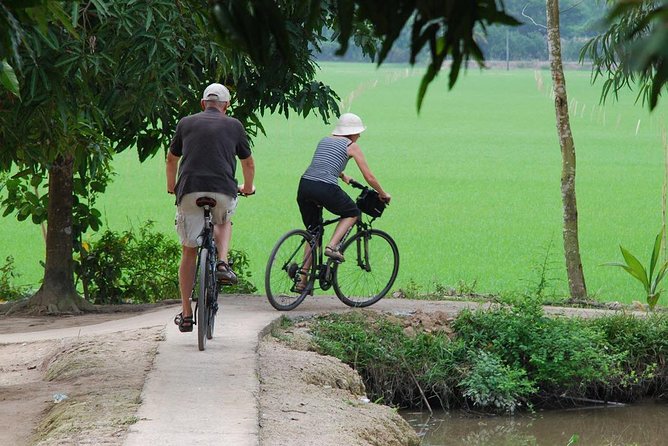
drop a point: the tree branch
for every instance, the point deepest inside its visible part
(531, 18)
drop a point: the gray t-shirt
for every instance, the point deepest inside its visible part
(209, 143)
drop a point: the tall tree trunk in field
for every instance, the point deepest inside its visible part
(576, 281)
(57, 293)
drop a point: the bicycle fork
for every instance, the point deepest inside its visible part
(363, 252)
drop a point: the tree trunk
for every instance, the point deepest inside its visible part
(576, 281)
(57, 293)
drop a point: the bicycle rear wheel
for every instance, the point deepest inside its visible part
(370, 268)
(202, 299)
(283, 272)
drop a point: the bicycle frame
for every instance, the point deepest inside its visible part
(322, 268)
(206, 241)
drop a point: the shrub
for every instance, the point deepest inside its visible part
(139, 266)
(563, 353)
(644, 345)
(9, 291)
(501, 358)
(396, 368)
(491, 383)
(241, 266)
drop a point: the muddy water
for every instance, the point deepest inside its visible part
(640, 424)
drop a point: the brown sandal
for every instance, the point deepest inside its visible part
(334, 254)
(303, 283)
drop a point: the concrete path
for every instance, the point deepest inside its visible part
(204, 397)
(211, 397)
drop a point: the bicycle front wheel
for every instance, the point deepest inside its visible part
(203, 299)
(212, 299)
(284, 270)
(370, 268)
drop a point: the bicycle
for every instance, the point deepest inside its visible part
(205, 287)
(367, 274)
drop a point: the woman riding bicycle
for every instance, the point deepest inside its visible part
(319, 186)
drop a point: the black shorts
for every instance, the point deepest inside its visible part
(312, 196)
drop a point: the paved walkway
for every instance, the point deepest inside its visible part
(176, 409)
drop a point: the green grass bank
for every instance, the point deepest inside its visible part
(475, 179)
(498, 360)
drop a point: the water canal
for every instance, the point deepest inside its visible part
(639, 424)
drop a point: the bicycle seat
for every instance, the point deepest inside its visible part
(205, 201)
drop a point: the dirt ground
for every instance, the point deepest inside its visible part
(87, 390)
(82, 390)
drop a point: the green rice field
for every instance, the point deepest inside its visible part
(475, 180)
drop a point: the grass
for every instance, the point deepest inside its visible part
(475, 179)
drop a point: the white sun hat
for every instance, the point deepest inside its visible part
(216, 92)
(348, 124)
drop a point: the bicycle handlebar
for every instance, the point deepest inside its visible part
(357, 185)
(239, 193)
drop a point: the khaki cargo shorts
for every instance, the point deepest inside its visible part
(190, 218)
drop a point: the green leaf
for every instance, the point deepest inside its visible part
(659, 277)
(149, 19)
(429, 76)
(655, 253)
(36, 180)
(8, 78)
(635, 268)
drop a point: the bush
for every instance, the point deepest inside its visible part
(139, 267)
(491, 383)
(396, 368)
(564, 353)
(644, 345)
(241, 266)
(502, 358)
(9, 291)
(129, 268)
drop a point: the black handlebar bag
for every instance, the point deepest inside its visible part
(370, 203)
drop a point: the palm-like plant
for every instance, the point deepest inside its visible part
(649, 279)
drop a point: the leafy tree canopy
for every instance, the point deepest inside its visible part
(633, 50)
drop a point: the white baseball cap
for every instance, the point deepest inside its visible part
(348, 124)
(216, 92)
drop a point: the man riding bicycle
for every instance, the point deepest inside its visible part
(204, 151)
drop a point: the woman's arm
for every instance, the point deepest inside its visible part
(345, 178)
(355, 152)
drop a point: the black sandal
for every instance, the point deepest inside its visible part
(224, 273)
(185, 323)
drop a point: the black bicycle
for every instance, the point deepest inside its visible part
(297, 264)
(205, 287)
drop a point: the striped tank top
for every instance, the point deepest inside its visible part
(329, 160)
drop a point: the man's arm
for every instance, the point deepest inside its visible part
(172, 167)
(248, 169)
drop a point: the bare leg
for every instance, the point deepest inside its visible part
(306, 266)
(186, 277)
(223, 235)
(341, 228)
